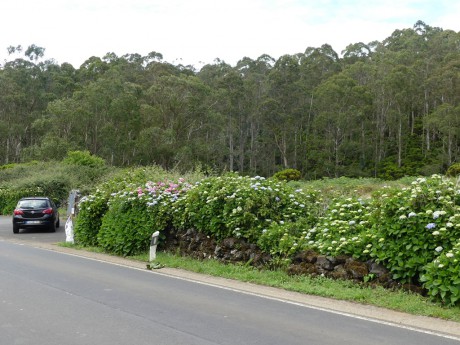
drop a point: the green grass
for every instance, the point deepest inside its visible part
(347, 187)
(399, 300)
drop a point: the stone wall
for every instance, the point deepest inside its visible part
(197, 245)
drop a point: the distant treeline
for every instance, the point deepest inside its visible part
(383, 109)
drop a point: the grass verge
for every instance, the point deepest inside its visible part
(399, 300)
(337, 289)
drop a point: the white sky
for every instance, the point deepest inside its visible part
(199, 31)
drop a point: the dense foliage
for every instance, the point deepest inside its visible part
(52, 179)
(386, 109)
(413, 231)
(133, 216)
(83, 158)
(409, 230)
(453, 170)
(221, 207)
(242, 207)
(127, 192)
(288, 175)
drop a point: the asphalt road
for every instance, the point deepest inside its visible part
(49, 297)
(39, 235)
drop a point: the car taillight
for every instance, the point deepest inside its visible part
(48, 211)
(18, 212)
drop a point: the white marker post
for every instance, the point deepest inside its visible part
(153, 245)
(69, 230)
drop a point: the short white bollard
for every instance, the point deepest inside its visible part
(153, 245)
(69, 230)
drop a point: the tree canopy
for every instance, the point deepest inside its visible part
(384, 109)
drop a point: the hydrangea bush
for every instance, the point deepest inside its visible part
(442, 276)
(415, 225)
(243, 207)
(134, 213)
(284, 239)
(413, 231)
(343, 229)
(91, 209)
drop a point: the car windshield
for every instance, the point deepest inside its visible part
(32, 204)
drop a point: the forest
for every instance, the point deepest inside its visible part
(381, 109)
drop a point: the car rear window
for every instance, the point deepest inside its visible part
(33, 203)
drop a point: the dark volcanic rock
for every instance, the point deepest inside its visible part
(195, 244)
(357, 270)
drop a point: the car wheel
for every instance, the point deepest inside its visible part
(52, 227)
(58, 223)
(15, 229)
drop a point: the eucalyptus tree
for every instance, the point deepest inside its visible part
(255, 75)
(92, 69)
(103, 117)
(60, 81)
(363, 109)
(176, 122)
(341, 109)
(283, 111)
(356, 52)
(315, 65)
(398, 89)
(445, 120)
(318, 64)
(228, 107)
(12, 99)
(23, 97)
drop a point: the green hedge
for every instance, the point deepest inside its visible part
(413, 231)
(243, 207)
(54, 188)
(126, 227)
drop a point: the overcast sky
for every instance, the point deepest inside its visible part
(199, 31)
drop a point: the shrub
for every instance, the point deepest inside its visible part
(453, 170)
(442, 277)
(9, 198)
(343, 229)
(133, 216)
(84, 158)
(54, 187)
(284, 240)
(126, 227)
(410, 225)
(91, 209)
(119, 206)
(287, 175)
(413, 231)
(7, 166)
(242, 207)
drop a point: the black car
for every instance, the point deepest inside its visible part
(36, 212)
